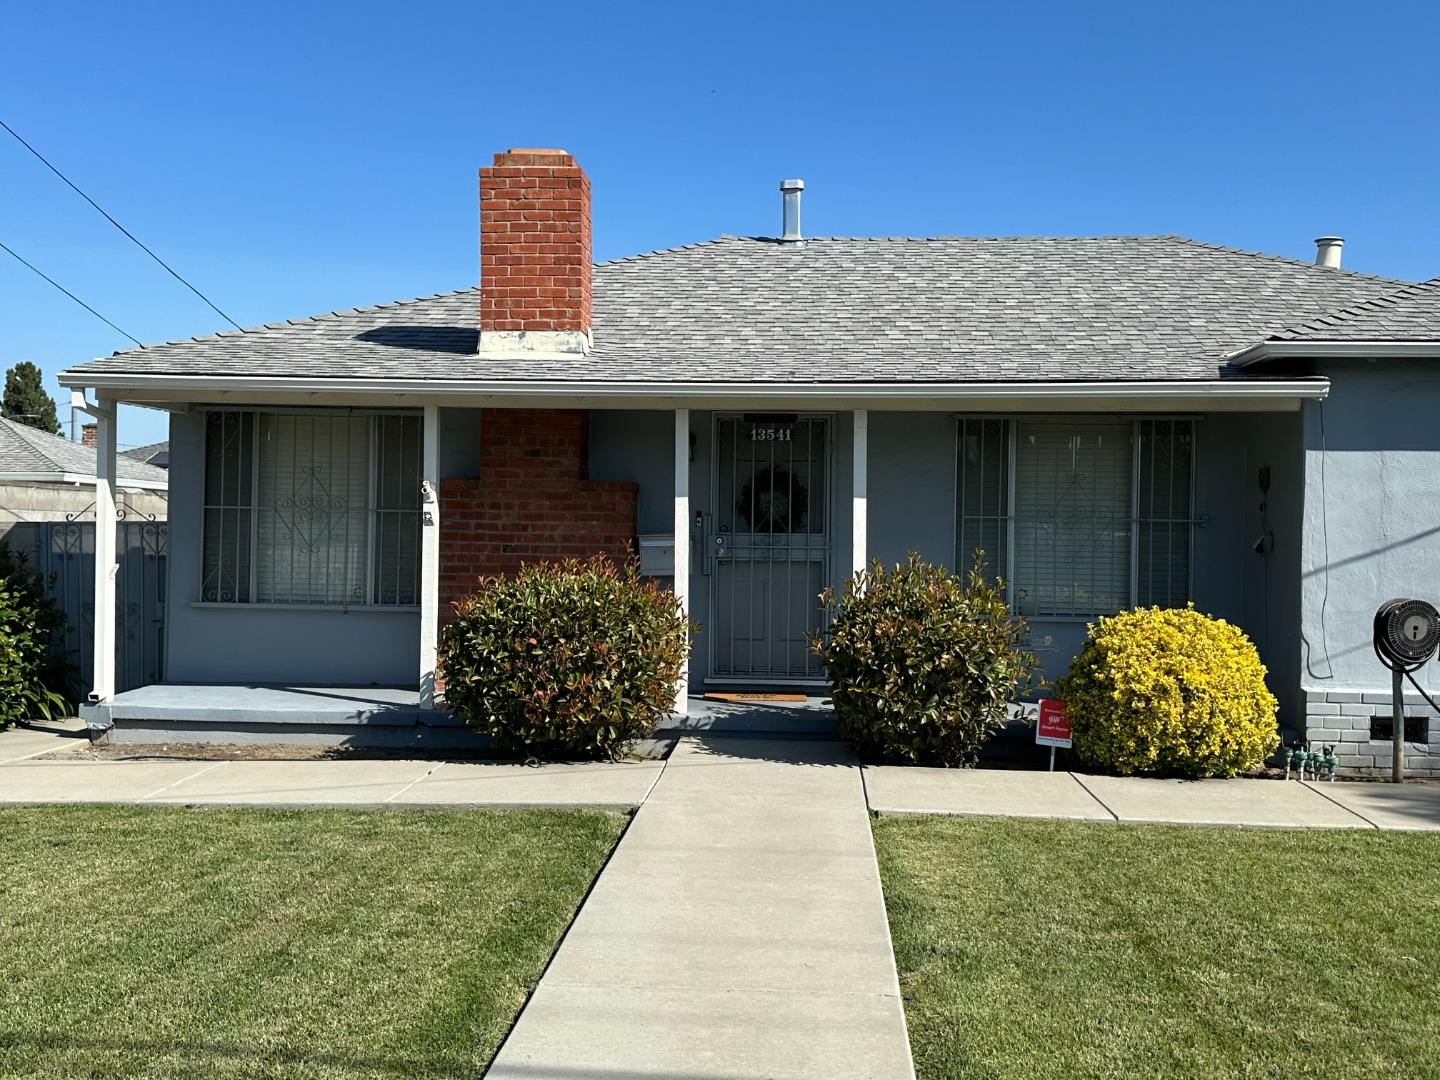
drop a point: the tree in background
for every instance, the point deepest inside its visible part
(26, 400)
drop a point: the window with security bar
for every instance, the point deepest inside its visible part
(312, 508)
(1081, 516)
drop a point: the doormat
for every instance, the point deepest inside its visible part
(719, 696)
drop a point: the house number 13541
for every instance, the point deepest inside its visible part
(770, 434)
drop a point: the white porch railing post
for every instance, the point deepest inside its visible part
(106, 568)
(429, 554)
(682, 546)
(858, 492)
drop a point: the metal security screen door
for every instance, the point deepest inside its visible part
(770, 546)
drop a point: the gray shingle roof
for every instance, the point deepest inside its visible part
(26, 451)
(155, 453)
(835, 309)
(1408, 314)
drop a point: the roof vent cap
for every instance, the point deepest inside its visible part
(790, 196)
(1327, 251)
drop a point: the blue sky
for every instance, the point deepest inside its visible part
(297, 158)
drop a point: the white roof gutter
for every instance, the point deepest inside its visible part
(1367, 350)
(80, 480)
(1097, 391)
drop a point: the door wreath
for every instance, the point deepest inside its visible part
(774, 501)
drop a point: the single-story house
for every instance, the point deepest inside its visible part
(1114, 420)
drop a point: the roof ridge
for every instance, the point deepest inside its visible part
(1192, 242)
(959, 236)
(1353, 311)
(650, 254)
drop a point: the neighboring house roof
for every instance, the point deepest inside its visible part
(157, 454)
(1408, 314)
(34, 456)
(831, 309)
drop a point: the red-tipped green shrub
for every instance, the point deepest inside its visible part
(923, 663)
(565, 659)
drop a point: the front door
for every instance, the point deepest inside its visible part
(769, 546)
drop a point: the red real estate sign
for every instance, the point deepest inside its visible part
(1053, 727)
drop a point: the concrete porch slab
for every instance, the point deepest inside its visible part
(809, 717)
(296, 783)
(898, 789)
(261, 703)
(1261, 803)
(1387, 806)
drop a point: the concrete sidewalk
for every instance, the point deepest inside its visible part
(29, 775)
(24, 743)
(738, 932)
(1243, 802)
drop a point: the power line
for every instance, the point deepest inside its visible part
(70, 294)
(117, 225)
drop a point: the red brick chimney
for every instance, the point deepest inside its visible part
(89, 434)
(534, 253)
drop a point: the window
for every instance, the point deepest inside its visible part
(1081, 516)
(312, 508)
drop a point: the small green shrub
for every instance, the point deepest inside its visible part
(566, 658)
(1169, 692)
(34, 676)
(922, 663)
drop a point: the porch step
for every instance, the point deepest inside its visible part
(808, 716)
(325, 715)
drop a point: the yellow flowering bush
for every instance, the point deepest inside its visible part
(1169, 691)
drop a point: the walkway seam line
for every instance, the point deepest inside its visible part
(423, 776)
(1103, 806)
(1342, 806)
(31, 756)
(664, 764)
(183, 779)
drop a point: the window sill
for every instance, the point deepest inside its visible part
(344, 609)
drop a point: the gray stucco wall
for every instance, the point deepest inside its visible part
(911, 507)
(243, 644)
(1371, 532)
(1270, 581)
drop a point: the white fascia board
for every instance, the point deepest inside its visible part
(80, 480)
(1365, 350)
(668, 392)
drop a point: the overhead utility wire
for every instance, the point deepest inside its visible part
(70, 294)
(117, 225)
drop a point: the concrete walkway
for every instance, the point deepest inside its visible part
(1075, 796)
(738, 932)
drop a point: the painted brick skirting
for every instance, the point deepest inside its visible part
(531, 501)
(1342, 718)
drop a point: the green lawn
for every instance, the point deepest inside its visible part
(156, 942)
(1057, 949)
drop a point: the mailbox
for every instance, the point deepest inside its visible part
(657, 555)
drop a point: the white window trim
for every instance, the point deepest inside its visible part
(1012, 423)
(368, 605)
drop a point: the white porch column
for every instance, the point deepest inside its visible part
(429, 554)
(106, 568)
(859, 540)
(682, 546)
